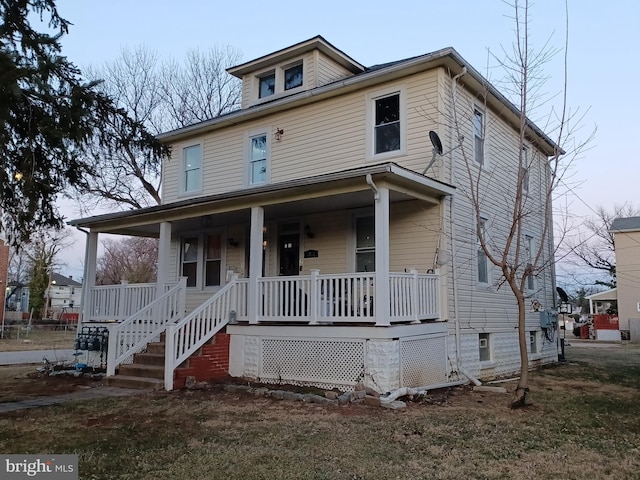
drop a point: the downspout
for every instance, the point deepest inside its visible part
(369, 179)
(454, 269)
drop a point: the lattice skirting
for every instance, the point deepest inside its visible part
(322, 363)
(382, 364)
(423, 361)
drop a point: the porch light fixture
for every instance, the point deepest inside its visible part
(232, 243)
(307, 232)
(279, 133)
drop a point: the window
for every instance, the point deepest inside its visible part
(387, 124)
(533, 342)
(365, 244)
(485, 347)
(478, 136)
(201, 259)
(192, 161)
(525, 170)
(483, 261)
(213, 260)
(258, 160)
(528, 247)
(267, 85)
(190, 260)
(293, 77)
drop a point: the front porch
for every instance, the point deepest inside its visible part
(251, 259)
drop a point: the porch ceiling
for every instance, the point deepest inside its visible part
(322, 193)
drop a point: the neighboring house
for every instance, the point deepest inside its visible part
(301, 231)
(602, 302)
(17, 297)
(626, 238)
(63, 294)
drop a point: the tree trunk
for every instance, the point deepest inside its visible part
(522, 389)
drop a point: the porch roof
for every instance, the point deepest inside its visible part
(342, 189)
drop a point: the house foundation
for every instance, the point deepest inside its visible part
(328, 356)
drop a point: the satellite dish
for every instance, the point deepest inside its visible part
(563, 295)
(435, 141)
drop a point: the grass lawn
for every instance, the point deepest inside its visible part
(37, 338)
(584, 423)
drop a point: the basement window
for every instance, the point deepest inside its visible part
(485, 347)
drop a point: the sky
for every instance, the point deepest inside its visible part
(602, 59)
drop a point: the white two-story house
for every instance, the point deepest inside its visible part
(316, 237)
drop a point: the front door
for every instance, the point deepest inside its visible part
(289, 253)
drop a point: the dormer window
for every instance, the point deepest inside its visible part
(267, 85)
(293, 77)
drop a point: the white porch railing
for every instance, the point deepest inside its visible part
(134, 333)
(118, 302)
(345, 298)
(194, 330)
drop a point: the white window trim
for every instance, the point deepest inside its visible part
(488, 263)
(200, 260)
(267, 132)
(278, 71)
(491, 362)
(485, 161)
(370, 120)
(352, 240)
(526, 182)
(530, 255)
(183, 192)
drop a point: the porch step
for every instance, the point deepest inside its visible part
(141, 370)
(156, 347)
(129, 381)
(149, 359)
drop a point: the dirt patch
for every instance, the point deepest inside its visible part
(21, 382)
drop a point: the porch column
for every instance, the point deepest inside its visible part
(255, 262)
(90, 258)
(382, 292)
(163, 256)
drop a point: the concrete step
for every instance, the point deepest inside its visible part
(147, 371)
(127, 381)
(149, 359)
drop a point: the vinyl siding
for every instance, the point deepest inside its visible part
(628, 272)
(319, 138)
(328, 70)
(482, 308)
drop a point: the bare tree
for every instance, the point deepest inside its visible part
(42, 254)
(133, 259)
(594, 248)
(507, 246)
(160, 96)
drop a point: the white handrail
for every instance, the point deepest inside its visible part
(185, 337)
(133, 334)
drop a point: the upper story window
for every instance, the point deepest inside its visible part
(478, 136)
(258, 159)
(293, 77)
(365, 244)
(192, 168)
(528, 246)
(281, 79)
(267, 85)
(387, 124)
(525, 170)
(483, 260)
